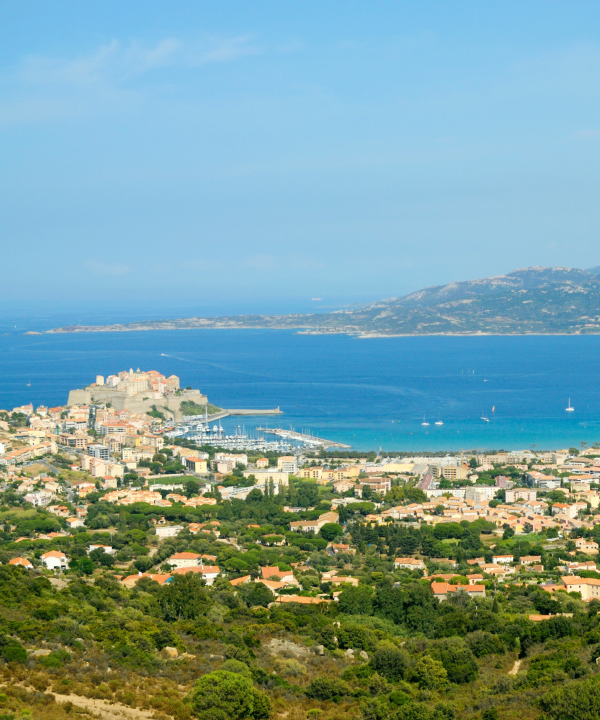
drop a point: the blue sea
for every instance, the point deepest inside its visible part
(369, 394)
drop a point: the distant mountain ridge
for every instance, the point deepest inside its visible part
(534, 300)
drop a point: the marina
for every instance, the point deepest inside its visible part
(305, 438)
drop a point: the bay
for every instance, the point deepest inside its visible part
(368, 393)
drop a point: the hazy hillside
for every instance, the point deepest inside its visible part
(530, 300)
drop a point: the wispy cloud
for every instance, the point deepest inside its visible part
(96, 267)
(115, 60)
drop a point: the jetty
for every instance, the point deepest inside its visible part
(303, 437)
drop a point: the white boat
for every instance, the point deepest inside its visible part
(424, 422)
(569, 408)
(439, 422)
(484, 418)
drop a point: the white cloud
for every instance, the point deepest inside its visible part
(115, 61)
(96, 267)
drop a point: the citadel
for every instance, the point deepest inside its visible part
(138, 392)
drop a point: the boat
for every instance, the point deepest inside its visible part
(28, 383)
(570, 408)
(424, 421)
(438, 421)
(484, 417)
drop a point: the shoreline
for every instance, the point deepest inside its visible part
(301, 330)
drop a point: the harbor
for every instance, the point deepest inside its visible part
(307, 438)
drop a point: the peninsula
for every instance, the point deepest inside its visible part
(535, 300)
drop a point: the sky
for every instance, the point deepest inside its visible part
(253, 156)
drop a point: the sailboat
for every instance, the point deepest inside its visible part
(439, 422)
(28, 383)
(484, 417)
(424, 421)
(569, 408)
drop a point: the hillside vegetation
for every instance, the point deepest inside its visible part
(532, 300)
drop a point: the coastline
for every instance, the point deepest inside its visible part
(301, 330)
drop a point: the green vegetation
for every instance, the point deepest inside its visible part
(189, 407)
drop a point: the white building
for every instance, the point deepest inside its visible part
(55, 560)
(165, 531)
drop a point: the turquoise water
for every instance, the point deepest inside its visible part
(367, 393)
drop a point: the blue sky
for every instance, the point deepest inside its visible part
(255, 155)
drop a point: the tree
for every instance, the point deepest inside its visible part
(390, 663)
(184, 598)
(577, 701)
(257, 594)
(223, 695)
(357, 600)
(191, 487)
(430, 673)
(331, 531)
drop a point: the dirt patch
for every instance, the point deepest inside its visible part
(105, 710)
(515, 668)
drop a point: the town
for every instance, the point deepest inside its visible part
(100, 495)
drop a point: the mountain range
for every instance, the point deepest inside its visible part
(535, 300)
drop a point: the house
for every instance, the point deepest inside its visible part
(55, 560)
(408, 564)
(240, 581)
(314, 525)
(74, 522)
(443, 589)
(131, 580)
(166, 531)
(588, 587)
(184, 559)
(586, 546)
(285, 576)
(22, 562)
(209, 573)
(261, 463)
(531, 559)
(108, 549)
(342, 548)
(301, 600)
(340, 580)
(503, 559)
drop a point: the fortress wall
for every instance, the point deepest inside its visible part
(79, 397)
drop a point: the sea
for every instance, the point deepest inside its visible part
(371, 394)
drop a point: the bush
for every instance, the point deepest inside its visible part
(484, 643)
(390, 663)
(430, 673)
(56, 659)
(11, 650)
(457, 658)
(327, 688)
(223, 695)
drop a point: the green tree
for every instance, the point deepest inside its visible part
(390, 663)
(430, 673)
(223, 695)
(331, 531)
(183, 598)
(357, 600)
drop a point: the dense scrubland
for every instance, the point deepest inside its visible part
(385, 648)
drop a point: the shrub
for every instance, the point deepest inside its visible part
(484, 643)
(390, 663)
(327, 688)
(223, 695)
(457, 658)
(430, 673)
